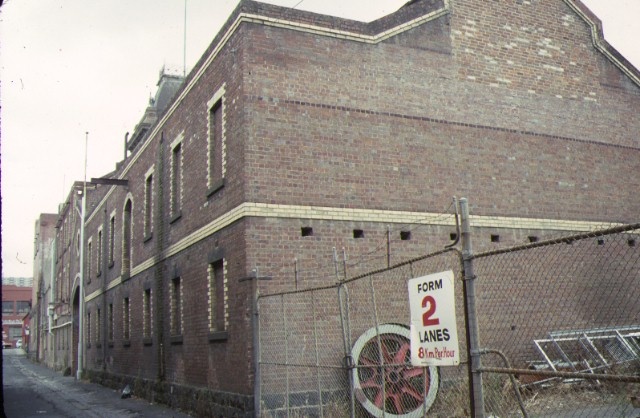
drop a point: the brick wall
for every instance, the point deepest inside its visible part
(511, 151)
(328, 125)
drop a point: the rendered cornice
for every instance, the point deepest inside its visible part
(386, 217)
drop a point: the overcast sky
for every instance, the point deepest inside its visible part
(72, 66)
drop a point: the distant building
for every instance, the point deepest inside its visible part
(18, 281)
(57, 256)
(40, 342)
(16, 304)
(58, 273)
(297, 133)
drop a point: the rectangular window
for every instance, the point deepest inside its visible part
(7, 307)
(216, 148)
(176, 307)
(23, 306)
(146, 316)
(99, 255)
(125, 319)
(176, 179)
(15, 333)
(89, 257)
(217, 297)
(215, 141)
(127, 233)
(65, 282)
(112, 238)
(88, 339)
(148, 205)
(110, 322)
(98, 326)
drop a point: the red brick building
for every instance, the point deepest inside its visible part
(16, 304)
(297, 133)
(41, 315)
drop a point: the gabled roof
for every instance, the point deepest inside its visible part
(601, 44)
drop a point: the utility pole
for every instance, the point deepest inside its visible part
(184, 43)
(81, 286)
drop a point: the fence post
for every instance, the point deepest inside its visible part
(473, 337)
(346, 331)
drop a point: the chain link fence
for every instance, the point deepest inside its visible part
(565, 313)
(559, 335)
(343, 350)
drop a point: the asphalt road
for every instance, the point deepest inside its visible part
(32, 390)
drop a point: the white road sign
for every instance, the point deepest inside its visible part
(434, 333)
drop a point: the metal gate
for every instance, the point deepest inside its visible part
(343, 350)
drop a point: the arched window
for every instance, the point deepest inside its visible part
(126, 237)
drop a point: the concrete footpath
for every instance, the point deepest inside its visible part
(32, 390)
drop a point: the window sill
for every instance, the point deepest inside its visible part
(111, 263)
(176, 339)
(98, 274)
(126, 343)
(148, 238)
(176, 217)
(147, 341)
(215, 187)
(218, 336)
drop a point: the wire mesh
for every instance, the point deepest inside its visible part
(559, 324)
(566, 314)
(301, 354)
(344, 350)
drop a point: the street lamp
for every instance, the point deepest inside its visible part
(94, 182)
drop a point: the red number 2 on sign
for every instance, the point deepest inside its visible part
(430, 303)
